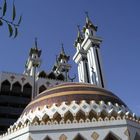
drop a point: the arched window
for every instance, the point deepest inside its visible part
(5, 86)
(27, 90)
(112, 136)
(16, 88)
(79, 137)
(47, 138)
(42, 88)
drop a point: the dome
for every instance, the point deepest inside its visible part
(68, 92)
(73, 103)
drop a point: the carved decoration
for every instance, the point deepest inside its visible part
(63, 137)
(95, 135)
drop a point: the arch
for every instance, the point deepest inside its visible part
(57, 117)
(112, 136)
(80, 115)
(92, 115)
(16, 88)
(137, 137)
(42, 74)
(68, 116)
(5, 86)
(61, 77)
(79, 137)
(27, 90)
(42, 88)
(47, 138)
(51, 76)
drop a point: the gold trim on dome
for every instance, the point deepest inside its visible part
(70, 93)
(67, 86)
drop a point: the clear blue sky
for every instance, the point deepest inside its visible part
(54, 22)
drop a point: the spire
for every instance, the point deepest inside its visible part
(89, 23)
(36, 44)
(62, 49)
(87, 17)
(35, 49)
(62, 54)
(80, 37)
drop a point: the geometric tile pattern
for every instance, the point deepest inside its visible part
(59, 112)
(95, 136)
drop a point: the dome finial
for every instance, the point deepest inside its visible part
(62, 51)
(87, 17)
(78, 27)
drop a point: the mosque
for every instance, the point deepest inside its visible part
(58, 108)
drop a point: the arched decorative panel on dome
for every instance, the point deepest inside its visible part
(79, 137)
(68, 116)
(16, 88)
(80, 115)
(112, 136)
(57, 117)
(42, 88)
(5, 86)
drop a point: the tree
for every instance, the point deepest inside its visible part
(11, 23)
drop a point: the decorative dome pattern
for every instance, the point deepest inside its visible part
(56, 105)
(68, 92)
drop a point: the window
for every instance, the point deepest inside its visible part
(16, 88)
(5, 86)
(27, 90)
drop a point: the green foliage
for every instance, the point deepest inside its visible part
(11, 24)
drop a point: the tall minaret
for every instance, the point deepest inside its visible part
(88, 55)
(32, 64)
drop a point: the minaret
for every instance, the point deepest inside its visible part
(81, 59)
(62, 66)
(32, 64)
(88, 55)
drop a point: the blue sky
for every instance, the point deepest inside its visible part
(54, 22)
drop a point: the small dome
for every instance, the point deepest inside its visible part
(69, 92)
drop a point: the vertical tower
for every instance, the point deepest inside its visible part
(88, 55)
(32, 64)
(62, 67)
